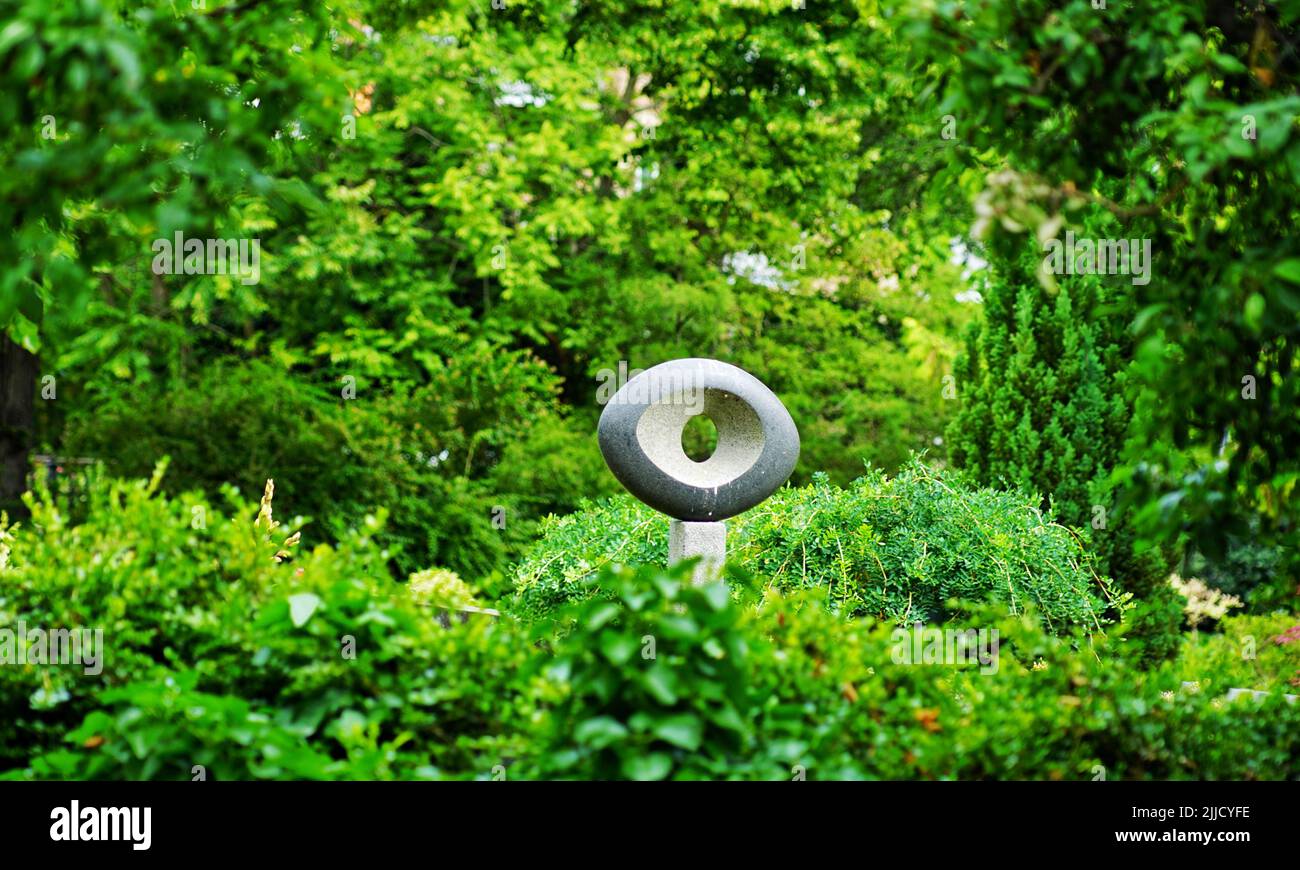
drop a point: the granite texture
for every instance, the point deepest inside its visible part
(704, 541)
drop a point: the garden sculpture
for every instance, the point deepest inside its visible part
(640, 434)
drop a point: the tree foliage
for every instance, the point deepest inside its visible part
(451, 202)
(1180, 123)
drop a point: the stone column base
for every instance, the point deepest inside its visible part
(708, 541)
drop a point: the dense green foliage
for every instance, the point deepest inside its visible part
(1180, 124)
(337, 460)
(134, 121)
(218, 654)
(1248, 652)
(1043, 409)
(652, 678)
(1042, 397)
(901, 547)
(896, 548)
(470, 219)
(466, 216)
(657, 684)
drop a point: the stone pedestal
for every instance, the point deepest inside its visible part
(707, 541)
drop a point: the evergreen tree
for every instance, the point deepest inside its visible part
(1044, 409)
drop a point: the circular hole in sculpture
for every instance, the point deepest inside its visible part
(699, 438)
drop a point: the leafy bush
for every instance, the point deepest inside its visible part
(1056, 708)
(654, 672)
(656, 679)
(1249, 652)
(428, 455)
(227, 650)
(1153, 628)
(1041, 389)
(573, 549)
(897, 548)
(1042, 385)
(442, 589)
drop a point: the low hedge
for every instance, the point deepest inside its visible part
(786, 689)
(896, 548)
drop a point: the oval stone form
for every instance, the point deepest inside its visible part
(640, 435)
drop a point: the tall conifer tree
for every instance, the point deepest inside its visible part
(1044, 408)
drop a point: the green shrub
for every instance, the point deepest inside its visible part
(229, 655)
(654, 679)
(897, 548)
(1152, 627)
(1041, 385)
(573, 549)
(437, 457)
(1054, 708)
(1043, 408)
(1248, 652)
(653, 673)
(227, 647)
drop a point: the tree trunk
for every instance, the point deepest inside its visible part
(17, 418)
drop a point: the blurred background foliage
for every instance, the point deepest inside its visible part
(465, 216)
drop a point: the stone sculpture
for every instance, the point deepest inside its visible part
(640, 434)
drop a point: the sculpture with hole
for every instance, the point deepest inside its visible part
(640, 434)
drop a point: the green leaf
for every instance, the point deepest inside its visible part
(599, 732)
(1254, 312)
(618, 647)
(1288, 270)
(684, 730)
(126, 62)
(600, 614)
(647, 768)
(661, 683)
(31, 57)
(717, 595)
(14, 33)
